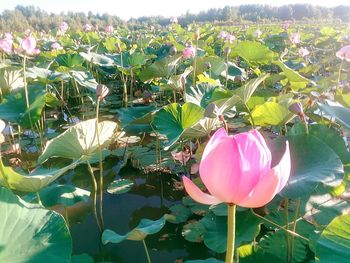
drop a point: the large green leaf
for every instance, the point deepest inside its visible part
(313, 163)
(246, 91)
(14, 108)
(10, 79)
(296, 80)
(334, 242)
(29, 233)
(144, 228)
(254, 53)
(173, 120)
(32, 182)
(85, 79)
(45, 75)
(338, 112)
(79, 141)
(271, 113)
(97, 59)
(160, 68)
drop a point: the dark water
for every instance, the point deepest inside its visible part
(150, 198)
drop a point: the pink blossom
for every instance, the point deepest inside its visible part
(56, 46)
(222, 35)
(87, 27)
(28, 45)
(230, 38)
(344, 53)
(109, 29)
(285, 25)
(295, 38)
(6, 43)
(63, 27)
(303, 52)
(237, 170)
(188, 52)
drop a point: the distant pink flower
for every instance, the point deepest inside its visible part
(56, 46)
(344, 53)
(303, 52)
(188, 52)
(27, 32)
(62, 28)
(222, 35)
(237, 170)
(181, 157)
(6, 43)
(87, 27)
(285, 25)
(230, 38)
(257, 33)
(173, 20)
(295, 38)
(28, 45)
(109, 29)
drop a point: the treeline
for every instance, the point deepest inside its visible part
(30, 17)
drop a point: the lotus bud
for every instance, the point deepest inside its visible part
(227, 51)
(344, 53)
(197, 35)
(101, 91)
(297, 108)
(119, 48)
(211, 111)
(207, 65)
(183, 81)
(172, 50)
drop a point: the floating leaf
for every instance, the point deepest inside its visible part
(120, 186)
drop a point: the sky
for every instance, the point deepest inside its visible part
(136, 8)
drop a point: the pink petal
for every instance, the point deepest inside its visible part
(28, 44)
(255, 161)
(196, 194)
(282, 169)
(263, 192)
(194, 168)
(220, 168)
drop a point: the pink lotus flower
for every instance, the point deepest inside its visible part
(295, 38)
(56, 46)
(237, 170)
(6, 43)
(63, 27)
(344, 53)
(87, 27)
(230, 38)
(222, 35)
(285, 25)
(28, 45)
(303, 52)
(188, 52)
(109, 29)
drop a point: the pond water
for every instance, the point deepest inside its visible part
(150, 198)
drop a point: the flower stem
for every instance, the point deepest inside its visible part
(146, 250)
(94, 197)
(100, 163)
(231, 233)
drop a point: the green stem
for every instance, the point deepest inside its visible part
(289, 244)
(100, 163)
(194, 65)
(250, 115)
(146, 250)
(39, 199)
(339, 73)
(94, 197)
(296, 214)
(26, 93)
(231, 233)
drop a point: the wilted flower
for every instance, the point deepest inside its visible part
(28, 45)
(297, 109)
(344, 53)
(56, 46)
(118, 47)
(197, 34)
(181, 157)
(173, 20)
(109, 29)
(303, 52)
(237, 170)
(172, 50)
(295, 38)
(207, 65)
(6, 43)
(87, 27)
(188, 52)
(101, 91)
